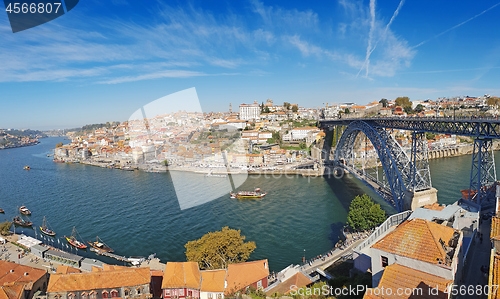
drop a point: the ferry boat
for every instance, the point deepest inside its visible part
(24, 210)
(21, 222)
(100, 245)
(249, 194)
(45, 229)
(74, 242)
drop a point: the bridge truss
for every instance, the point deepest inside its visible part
(403, 172)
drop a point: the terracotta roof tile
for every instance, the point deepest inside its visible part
(242, 275)
(213, 280)
(63, 269)
(397, 278)
(10, 272)
(494, 277)
(418, 239)
(99, 280)
(435, 206)
(181, 275)
(13, 290)
(495, 228)
(298, 280)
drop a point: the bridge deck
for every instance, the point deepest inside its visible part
(472, 127)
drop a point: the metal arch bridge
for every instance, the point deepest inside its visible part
(411, 172)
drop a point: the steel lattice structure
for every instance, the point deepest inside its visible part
(483, 173)
(465, 127)
(413, 173)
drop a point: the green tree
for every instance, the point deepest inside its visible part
(346, 111)
(403, 102)
(216, 250)
(165, 162)
(5, 227)
(408, 110)
(302, 145)
(384, 102)
(266, 110)
(286, 105)
(419, 108)
(364, 213)
(59, 144)
(295, 108)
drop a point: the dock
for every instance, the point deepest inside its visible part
(132, 260)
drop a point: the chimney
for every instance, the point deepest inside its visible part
(25, 273)
(11, 270)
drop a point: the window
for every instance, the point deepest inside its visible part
(93, 295)
(105, 294)
(84, 295)
(71, 296)
(139, 291)
(385, 261)
(259, 284)
(219, 296)
(210, 296)
(114, 294)
(127, 292)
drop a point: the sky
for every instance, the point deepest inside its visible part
(104, 60)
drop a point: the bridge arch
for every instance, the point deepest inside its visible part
(395, 162)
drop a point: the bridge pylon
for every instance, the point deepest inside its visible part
(483, 175)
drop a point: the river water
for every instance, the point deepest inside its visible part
(138, 213)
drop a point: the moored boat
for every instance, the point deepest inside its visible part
(45, 229)
(74, 242)
(257, 193)
(58, 161)
(21, 222)
(100, 245)
(24, 210)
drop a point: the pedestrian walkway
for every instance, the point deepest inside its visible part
(327, 260)
(478, 257)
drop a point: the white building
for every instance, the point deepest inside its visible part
(301, 133)
(250, 111)
(213, 284)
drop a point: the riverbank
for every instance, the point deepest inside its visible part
(19, 145)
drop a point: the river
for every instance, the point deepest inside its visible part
(138, 213)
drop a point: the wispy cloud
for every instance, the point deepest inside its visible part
(155, 75)
(456, 26)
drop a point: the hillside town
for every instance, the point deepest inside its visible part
(257, 137)
(10, 138)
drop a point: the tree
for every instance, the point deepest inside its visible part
(403, 102)
(266, 110)
(165, 162)
(384, 103)
(286, 105)
(59, 144)
(5, 227)
(419, 108)
(216, 250)
(346, 111)
(364, 213)
(295, 108)
(302, 145)
(408, 110)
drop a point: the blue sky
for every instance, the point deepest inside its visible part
(105, 59)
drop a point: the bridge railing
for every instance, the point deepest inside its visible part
(393, 220)
(432, 118)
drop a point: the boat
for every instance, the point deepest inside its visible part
(257, 193)
(24, 210)
(45, 229)
(74, 242)
(27, 167)
(21, 222)
(58, 161)
(100, 245)
(211, 174)
(2, 211)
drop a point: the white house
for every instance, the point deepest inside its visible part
(213, 284)
(301, 133)
(250, 111)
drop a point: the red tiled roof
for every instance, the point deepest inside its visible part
(181, 275)
(242, 275)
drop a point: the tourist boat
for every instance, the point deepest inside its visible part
(21, 222)
(45, 229)
(74, 242)
(58, 161)
(100, 245)
(27, 167)
(24, 210)
(248, 194)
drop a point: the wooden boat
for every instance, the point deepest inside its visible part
(27, 167)
(45, 229)
(24, 210)
(249, 194)
(100, 245)
(58, 161)
(74, 242)
(21, 222)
